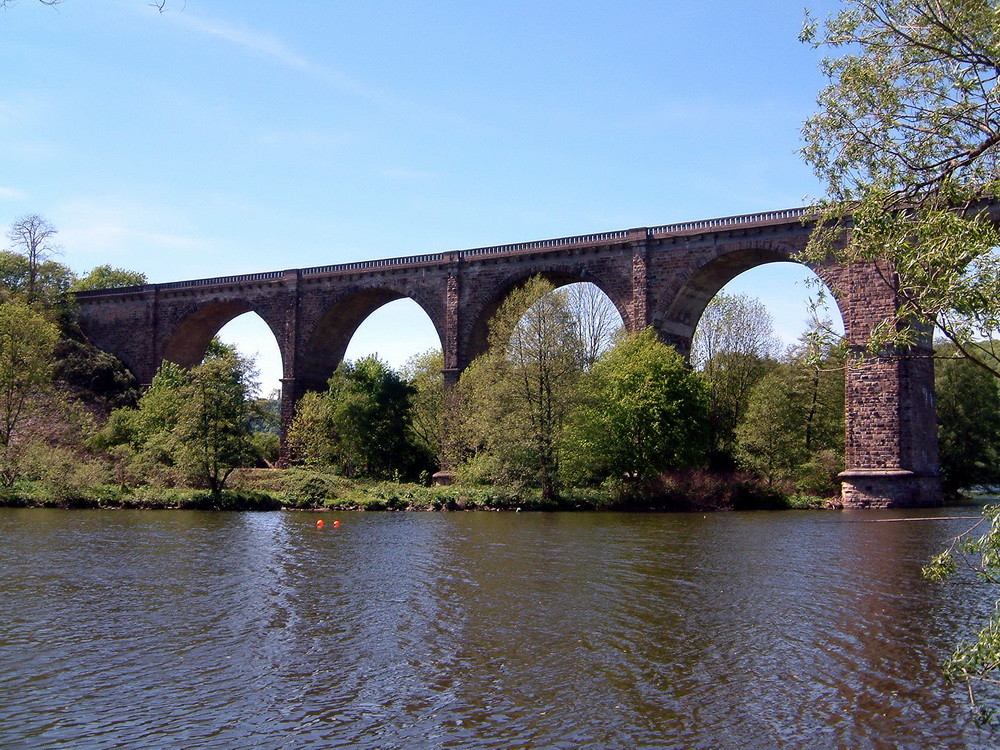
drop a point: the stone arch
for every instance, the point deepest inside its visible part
(476, 318)
(685, 298)
(187, 344)
(326, 340)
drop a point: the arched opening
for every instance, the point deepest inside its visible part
(766, 345)
(368, 321)
(594, 318)
(252, 338)
(393, 423)
(395, 333)
(234, 323)
(602, 306)
(793, 297)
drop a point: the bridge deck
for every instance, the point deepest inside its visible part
(768, 218)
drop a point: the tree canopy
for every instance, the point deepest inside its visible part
(645, 414)
(907, 141)
(108, 277)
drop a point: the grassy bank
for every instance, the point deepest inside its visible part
(303, 489)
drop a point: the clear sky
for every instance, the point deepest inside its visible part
(225, 137)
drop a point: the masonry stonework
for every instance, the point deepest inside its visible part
(659, 276)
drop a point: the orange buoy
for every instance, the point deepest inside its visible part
(319, 524)
(336, 524)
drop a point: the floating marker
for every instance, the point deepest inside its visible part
(336, 524)
(319, 524)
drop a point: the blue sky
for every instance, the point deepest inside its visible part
(229, 137)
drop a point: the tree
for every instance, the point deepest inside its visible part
(108, 277)
(733, 324)
(191, 425)
(27, 343)
(427, 401)
(596, 318)
(32, 236)
(361, 425)
(907, 141)
(968, 409)
(212, 434)
(793, 429)
(645, 414)
(516, 398)
(733, 347)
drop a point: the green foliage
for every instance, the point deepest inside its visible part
(968, 408)
(192, 425)
(361, 425)
(516, 398)
(907, 141)
(27, 345)
(51, 280)
(734, 346)
(793, 430)
(424, 373)
(108, 277)
(974, 663)
(212, 432)
(29, 270)
(645, 414)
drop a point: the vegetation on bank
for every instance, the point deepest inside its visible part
(561, 412)
(309, 490)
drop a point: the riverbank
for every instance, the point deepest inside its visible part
(302, 489)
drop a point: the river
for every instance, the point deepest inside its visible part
(154, 629)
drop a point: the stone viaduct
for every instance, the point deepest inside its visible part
(656, 276)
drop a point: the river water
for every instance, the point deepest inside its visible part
(155, 629)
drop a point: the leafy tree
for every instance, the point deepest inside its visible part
(33, 235)
(907, 140)
(361, 425)
(212, 434)
(27, 344)
(427, 403)
(793, 428)
(516, 398)
(645, 414)
(190, 424)
(51, 280)
(968, 411)
(108, 277)
(734, 346)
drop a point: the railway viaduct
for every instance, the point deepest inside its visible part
(662, 277)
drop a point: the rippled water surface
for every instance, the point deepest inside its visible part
(155, 629)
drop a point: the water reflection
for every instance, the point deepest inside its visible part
(143, 629)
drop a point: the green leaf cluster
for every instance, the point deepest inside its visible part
(644, 414)
(907, 141)
(361, 424)
(190, 425)
(792, 432)
(968, 409)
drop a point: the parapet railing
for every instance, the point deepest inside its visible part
(428, 258)
(728, 221)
